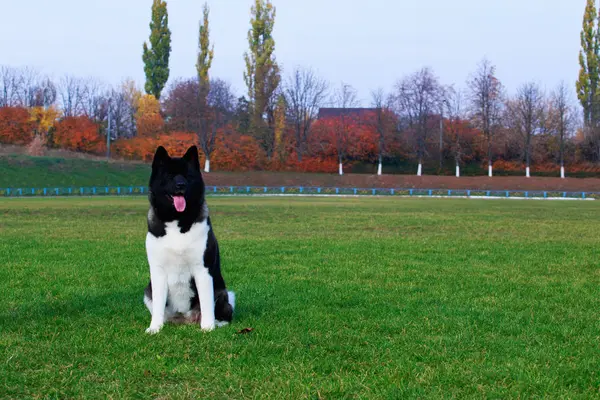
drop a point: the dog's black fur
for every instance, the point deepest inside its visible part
(181, 176)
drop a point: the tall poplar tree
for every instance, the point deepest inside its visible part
(262, 73)
(206, 135)
(156, 57)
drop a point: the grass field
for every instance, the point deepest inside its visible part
(38, 172)
(347, 298)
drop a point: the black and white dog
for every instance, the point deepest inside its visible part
(186, 284)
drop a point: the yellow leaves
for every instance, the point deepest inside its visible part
(147, 105)
(132, 93)
(43, 118)
(279, 117)
(148, 119)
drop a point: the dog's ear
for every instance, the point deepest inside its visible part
(160, 157)
(191, 156)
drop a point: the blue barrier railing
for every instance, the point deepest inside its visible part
(279, 190)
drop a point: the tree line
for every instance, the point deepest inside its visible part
(296, 120)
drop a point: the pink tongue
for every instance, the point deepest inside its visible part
(179, 202)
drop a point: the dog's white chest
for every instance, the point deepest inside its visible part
(176, 254)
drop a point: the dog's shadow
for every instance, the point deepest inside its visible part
(97, 308)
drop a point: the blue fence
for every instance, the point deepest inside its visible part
(287, 190)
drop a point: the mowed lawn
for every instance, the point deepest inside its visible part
(346, 298)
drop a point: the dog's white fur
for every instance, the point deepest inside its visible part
(174, 259)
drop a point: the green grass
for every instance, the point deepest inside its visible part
(39, 172)
(347, 298)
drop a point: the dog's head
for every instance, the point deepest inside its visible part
(176, 184)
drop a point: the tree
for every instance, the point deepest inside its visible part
(132, 95)
(345, 99)
(148, 119)
(78, 134)
(454, 107)
(71, 93)
(156, 58)
(262, 74)
(383, 121)
(205, 57)
(564, 119)
(304, 93)
(242, 115)
(16, 126)
(417, 97)
(527, 110)
(279, 127)
(589, 58)
(8, 86)
(26, 84)
(181, 106)
(486, 103)
(94, 102)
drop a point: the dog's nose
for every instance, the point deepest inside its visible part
(180, 184)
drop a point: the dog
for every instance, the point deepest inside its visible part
(186, 284)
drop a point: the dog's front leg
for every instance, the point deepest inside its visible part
(159, 299)
(204, 284)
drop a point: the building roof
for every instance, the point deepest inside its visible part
(337, 112)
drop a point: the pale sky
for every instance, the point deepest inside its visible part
(367, 44)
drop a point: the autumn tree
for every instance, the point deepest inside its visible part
(123, 110)
(242, 115)
(8, 86)
(418, 96)
(149, 122)
(71, 94)
(304, 94)
(206, 135)
(279, 116)
(345, 99)
(589, 59)
(78, 134)
(384, 123)
(564, 119)
(94, 102)
(455, 113)
(262, 74)
(131, 95)
(527, 111)
(26, 81)
(16, 126)
(156, 56)
(485, 95)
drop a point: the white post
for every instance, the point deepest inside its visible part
(341, 169)
(420, 170)
(490, 170)
(207, 165)
(562, 172)
(379, 169)
(458, 171)
(527, 172)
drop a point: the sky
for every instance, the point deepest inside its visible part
(368, 44)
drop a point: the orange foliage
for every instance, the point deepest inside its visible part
(15, 126)
(465, 140)
(148, 120)
(344, 137)
(79, 134)
(237, 153)
(143, 148)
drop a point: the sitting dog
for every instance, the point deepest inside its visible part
(186, 285)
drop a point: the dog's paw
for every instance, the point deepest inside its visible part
(220, 324)
(207, 327)
(153, 330)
